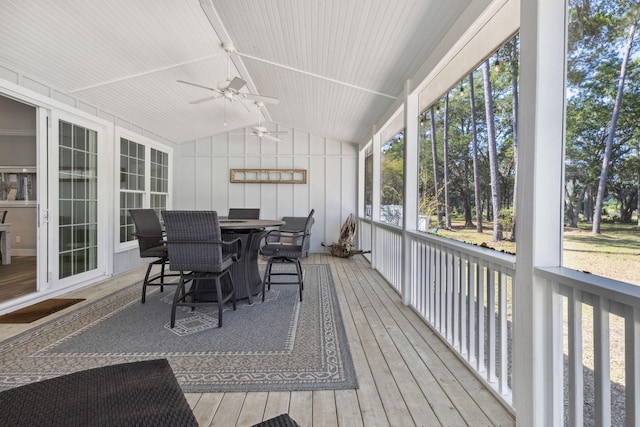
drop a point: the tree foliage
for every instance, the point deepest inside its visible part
(469, 178)
(603, 109)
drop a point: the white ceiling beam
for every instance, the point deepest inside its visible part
(318, 76)
(216, 23)
(144, 73)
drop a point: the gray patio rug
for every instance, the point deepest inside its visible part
(281, 344)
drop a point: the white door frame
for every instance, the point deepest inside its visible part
(46, 232)
(104, 191)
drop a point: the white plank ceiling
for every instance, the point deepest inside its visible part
(336, 66)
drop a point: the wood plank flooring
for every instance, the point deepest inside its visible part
(406, 374)
(18, 278)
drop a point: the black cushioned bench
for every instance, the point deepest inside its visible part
(142, 393)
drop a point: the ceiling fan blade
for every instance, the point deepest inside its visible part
(262, 129)
(260, 98)
(271, 137)
(198, 85)
(236, 84)
(208, 98)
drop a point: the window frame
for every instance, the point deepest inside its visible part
(147, 194)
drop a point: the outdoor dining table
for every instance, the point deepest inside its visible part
(245, 272)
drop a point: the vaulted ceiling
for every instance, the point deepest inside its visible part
(336, 66)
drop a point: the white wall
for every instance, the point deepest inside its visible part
(202, 178)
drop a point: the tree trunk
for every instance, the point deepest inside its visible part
(493, 151)
(606, 159)
(434, 156)
(514, 88)
(468, 215)
(576, 212)
(588, 205)
(445, 165)
(476, 170)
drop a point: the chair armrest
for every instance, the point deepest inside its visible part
(147, 235)
(161, 242)
(277, 235)
(236, 256)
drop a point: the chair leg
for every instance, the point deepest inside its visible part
(299, 271)
(176, 298)
(220, 303)
(146, 282)
(267, 277)
(162, 275)
(233, 290)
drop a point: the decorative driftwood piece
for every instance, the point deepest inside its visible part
(342, 249)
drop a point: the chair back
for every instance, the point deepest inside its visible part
(306, 239)
(244, 213)
(193, 240)
(148, 230)
(3, 215)
(297, 224)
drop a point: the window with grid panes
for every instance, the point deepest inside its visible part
(132, 185)
(159, 175)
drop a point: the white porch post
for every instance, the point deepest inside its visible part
(361, 183)
(410, 196)
(375, 205)
(540, 208)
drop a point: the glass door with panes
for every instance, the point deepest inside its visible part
(76, 202)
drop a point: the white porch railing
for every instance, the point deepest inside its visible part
(364, 236)
(461, 291)
(464, 293)
(609, 308)
(387, 256)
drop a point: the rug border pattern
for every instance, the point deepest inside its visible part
(334, 371)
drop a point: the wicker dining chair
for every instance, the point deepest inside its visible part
(244, 213)
(196, 250)
(286, 247)
(148, 231)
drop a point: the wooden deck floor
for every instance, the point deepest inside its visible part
(406, 374)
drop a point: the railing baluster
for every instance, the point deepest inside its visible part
(432, 280)
(456, 299)
(417, 275)
(449, 294)
(602, 361)
(575, 376)
(471, 330)
(480, 322)
(555, 355)
(503, 362)
(464, 301)
(632, 365)
(491, 320)
(436, 286)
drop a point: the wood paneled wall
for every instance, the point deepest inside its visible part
(201, 177)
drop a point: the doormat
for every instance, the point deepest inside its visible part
(39, 310)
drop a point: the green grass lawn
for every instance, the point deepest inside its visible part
(614, 253)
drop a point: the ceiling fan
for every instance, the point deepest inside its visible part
(261, 131)
(230, 89)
